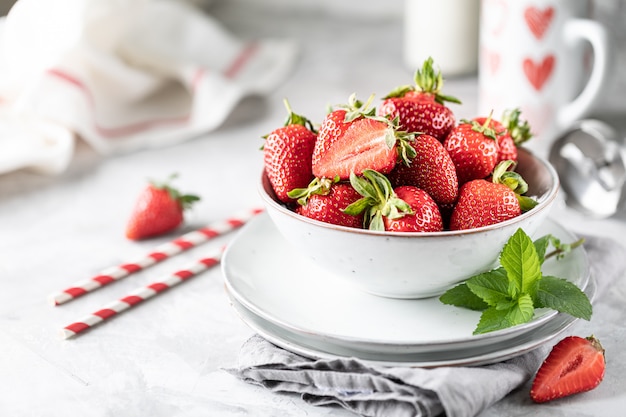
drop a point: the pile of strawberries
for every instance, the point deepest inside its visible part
(403, 166)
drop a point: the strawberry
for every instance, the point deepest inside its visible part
(379, 200)
(425, 218)
(357, 142)
(483, 202)
(510, 133)
(158, 210)
(328, 203)
(431, 169)
(574, 365)
(517, 132)
(421, 108)
(473, 149)
(287, 154)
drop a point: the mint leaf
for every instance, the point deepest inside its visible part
(462, 296)
(492, 286)
(508, 295)
(519, 258)
(495, 318)
(541, 246)
(563, 296)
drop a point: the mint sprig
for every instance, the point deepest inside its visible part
(508, 295)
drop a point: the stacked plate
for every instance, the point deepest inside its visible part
(296, 305)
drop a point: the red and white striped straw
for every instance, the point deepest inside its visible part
(141, 294)
(160, 253)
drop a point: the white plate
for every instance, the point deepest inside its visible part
(312, 348)
(271, 280)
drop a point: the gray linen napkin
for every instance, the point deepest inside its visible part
(375, 391)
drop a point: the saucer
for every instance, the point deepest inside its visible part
(314, 349)
(279, 287)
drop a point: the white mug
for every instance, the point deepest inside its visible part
(534, 56)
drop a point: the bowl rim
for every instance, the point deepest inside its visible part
(545, 202)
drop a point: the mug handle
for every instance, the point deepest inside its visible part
(584, 29)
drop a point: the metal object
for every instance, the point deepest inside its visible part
(590, 160)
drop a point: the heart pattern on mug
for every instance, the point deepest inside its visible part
(538, 73)
(538, 20)
(495, 15)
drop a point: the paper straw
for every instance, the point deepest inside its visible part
(141, 294)
(160, 253)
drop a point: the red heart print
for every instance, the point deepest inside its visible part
(539, 73)
(538, 20)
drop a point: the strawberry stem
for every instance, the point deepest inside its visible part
(427, 80)
(185, 200)
(379, 200)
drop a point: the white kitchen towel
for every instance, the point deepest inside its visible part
(379, 391)
(121, 75)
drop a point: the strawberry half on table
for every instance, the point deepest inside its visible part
(159, 209)
(287, 155)
(421, 107)
(574, 365)
(352, 139)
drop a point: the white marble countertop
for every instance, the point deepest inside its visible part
(165, 357)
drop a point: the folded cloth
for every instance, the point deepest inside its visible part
(122, 76)
(370, 390)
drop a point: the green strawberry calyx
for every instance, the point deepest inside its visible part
(295, 119)
(379, 200)
(518, 129)
(504, 174)
(185, 200)
(484, 129)
(319, 186)
(427, 81)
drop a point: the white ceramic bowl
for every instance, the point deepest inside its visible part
(412, 265)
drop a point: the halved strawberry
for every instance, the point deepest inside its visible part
(431, 169)
(421, 108)
(473, 148)
(361, 141)
(425, 217)
(326, 200)
(574, 365)
(287, 154)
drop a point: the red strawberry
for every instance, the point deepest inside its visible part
(517, 132)
(510, 133)
(158, 210)
(473, 149)
(327, 203)
(574, 365)
(425, 218)
(361, 141)
(287, 154)
(431, 169)
(482, 202)
(421, 108)
(379, 200)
